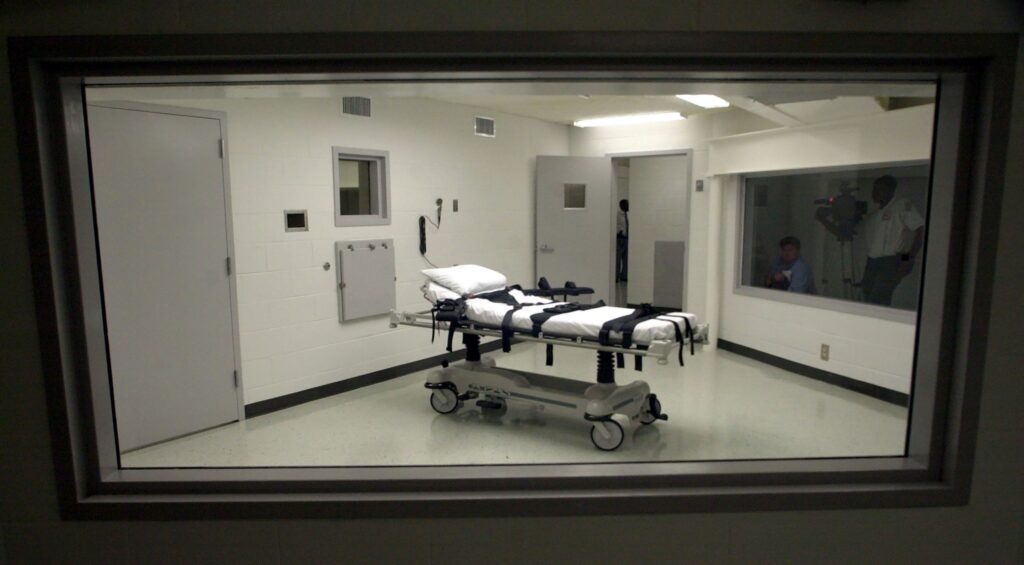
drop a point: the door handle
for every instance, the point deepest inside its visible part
(545, 248)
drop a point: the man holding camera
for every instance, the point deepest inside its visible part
(894, 236)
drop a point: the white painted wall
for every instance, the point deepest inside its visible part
(880, 138)
(658, 211)
(280, 158)
(861, 347)
(693, 135)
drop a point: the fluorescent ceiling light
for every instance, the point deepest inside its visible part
(704, 100)
(629, 119)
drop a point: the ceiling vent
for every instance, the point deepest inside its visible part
(484, 126)
(355, 106)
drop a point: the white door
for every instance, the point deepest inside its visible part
(659, 225)
(575, 222)
(161, 215)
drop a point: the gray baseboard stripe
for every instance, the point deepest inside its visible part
(874, 391)
(316, 393)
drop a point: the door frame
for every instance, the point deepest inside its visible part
(688, 153)
(222, 118)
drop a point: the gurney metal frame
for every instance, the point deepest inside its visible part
(609, 406)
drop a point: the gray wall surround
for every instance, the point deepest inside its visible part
(989, 529)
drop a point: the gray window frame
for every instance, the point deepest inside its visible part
(48, 80)
(380, 194)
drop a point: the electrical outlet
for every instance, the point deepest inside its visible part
(824, 352)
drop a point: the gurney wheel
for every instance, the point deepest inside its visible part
(444, 400)
(651, 411)
(615, 435)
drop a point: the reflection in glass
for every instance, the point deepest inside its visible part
(853, 234)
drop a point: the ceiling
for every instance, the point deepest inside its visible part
(566, 102)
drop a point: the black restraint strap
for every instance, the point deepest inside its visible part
(681, 334)
(507, 329)
(679, 338)
(617, 324)
(549, 351)
(638, 361)
(628, 327)
(539, 318)
(620, 361)
(500, 296)
(450, 311)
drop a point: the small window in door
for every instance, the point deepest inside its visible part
(361, 191)
(575, 196)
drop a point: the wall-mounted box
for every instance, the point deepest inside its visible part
(366, 278)
(296, 220)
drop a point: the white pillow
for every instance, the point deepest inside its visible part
(466, 279)
(434, 292)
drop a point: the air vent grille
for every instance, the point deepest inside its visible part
(484, 126)
(355, 106)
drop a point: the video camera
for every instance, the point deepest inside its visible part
(843, 210)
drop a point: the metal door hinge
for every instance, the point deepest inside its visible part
(236, 377)
(222, 148)
(227, 261)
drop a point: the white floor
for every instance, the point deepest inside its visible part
(720, 406)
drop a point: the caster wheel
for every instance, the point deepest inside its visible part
(607, 435)
(651, 411)
(444, 400)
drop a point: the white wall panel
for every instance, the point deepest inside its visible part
(900, 135)
(861, 347)
(280, 155)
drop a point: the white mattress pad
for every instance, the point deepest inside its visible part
(581, 323)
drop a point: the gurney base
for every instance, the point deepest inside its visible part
(609, 406)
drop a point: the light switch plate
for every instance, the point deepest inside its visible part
(824, 352)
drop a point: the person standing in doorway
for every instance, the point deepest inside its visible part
(895, 234)
(622, 241)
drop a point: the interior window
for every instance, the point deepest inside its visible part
(360, 187)
(852, 234)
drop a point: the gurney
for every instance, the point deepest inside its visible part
(483, 308)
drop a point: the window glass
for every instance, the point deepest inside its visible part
(355, 191)
(575, 196)
(360, 187)
(851, 233)
(828, 206)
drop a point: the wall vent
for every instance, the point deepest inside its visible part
(484, 126)
(355, 106)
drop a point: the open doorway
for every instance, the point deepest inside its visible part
(652, 229)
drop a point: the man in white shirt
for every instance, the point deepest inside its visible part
(894, 236)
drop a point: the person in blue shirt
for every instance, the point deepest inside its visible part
(788, 271)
